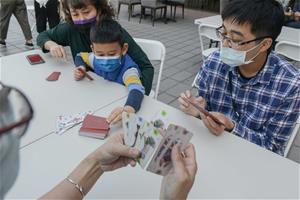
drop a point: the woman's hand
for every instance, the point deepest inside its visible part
(179, 181)
(113, 154)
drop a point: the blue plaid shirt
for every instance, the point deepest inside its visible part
(264, 108)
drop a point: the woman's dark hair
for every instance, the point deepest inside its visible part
(101, 5)
(266, 17)
(106, 31)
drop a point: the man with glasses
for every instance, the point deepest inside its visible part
(15, 115)
(251, 90)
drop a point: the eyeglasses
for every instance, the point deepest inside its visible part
(231, 42)
(15, 111)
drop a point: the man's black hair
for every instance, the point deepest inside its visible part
(266, 17)
(106, 30)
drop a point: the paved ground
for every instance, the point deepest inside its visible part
(183, 51)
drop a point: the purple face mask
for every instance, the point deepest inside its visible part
(85, 21)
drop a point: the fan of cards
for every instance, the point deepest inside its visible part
(154, 140)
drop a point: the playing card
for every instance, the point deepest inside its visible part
(130, 127)
(161, 161)
(65, 122)
(161, 119)
(53, 76)
(147, 142)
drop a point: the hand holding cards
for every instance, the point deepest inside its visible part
(154, 143)
(202, 110)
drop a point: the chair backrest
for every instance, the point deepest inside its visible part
(292, 137)
(196, 80)
(288, 49)
(155, 51)
(207, 31)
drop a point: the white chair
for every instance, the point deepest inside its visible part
(209, 32)
(292, 138)
(288, 49)
(196, 80)
(155, 51)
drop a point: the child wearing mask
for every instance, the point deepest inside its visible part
(109, 59)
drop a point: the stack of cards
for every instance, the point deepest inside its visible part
(94, 126)
(154, 142)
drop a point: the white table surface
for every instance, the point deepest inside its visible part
(287, 33)
(228, 166)
(51, 99)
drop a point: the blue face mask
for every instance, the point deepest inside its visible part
(106, 64)
(234, 57)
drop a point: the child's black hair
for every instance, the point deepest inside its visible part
(106, 30)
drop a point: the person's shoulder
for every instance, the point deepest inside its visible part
(128, 62)
(283, 67)
(284, 71)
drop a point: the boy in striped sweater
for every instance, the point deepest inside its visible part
(110, 60)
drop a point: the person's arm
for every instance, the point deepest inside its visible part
(110, 156)
(277, 130)
(135, 96)
(55, 39)
(136, 93)
(141, 59)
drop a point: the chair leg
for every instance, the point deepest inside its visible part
(142, 11)
(129, 11)
(119, 7)
(183, 11)
(171, 12)
(174, 12)
(165, 15)
(154, 16)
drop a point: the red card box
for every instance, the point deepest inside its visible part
(94, 126)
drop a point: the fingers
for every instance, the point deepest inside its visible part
(63, 52)
(125, 151)
(78, 75)
(188, 94)
(58, 52)
(115, 116)
(190, 155)
(212, 126)
(177, 160)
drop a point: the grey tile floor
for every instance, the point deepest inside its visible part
(183, 57)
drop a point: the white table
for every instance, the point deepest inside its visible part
(228, 166)
(51, 99)
(287, 34)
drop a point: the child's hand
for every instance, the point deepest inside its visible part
(78, 75)
(116, 114)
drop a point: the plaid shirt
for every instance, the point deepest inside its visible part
(264, 108)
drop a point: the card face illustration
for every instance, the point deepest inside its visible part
(148, 141)
(153, 141)
(161, 119)
(130, 128)
(161, 161)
